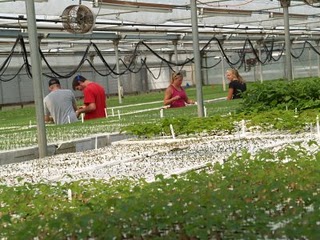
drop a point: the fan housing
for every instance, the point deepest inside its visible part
(78, 19)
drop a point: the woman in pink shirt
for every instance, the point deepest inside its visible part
(175, 96)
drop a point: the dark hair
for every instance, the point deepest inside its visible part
(76, 81)
(53, 81)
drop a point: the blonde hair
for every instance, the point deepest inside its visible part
(235, 73)
(174, 76)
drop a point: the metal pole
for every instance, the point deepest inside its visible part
(224, 87)
(285, 4)
(175, 45)
(19, 88)
(197, 58)
(1, 96)
(310, 63)
(260, 64)
(93, 71)
(292, 72)
(318, 59)
(205, 71)
(36, 77)
(116, 50)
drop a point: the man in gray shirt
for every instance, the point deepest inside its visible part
(60, 104)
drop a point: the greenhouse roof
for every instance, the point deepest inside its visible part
(161, 23)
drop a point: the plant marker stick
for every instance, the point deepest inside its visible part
(295, 110)
(318, 127)
(30, 123)
(82, 117)
(172, 131)
(69, 119)
(112, 112)
(205, 111)
(243, 127)
(161, 113)
(119, 114)
(69, 195)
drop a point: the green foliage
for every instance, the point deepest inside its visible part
(301, 94)
(145, 129)
(270, 195)
(281, 120)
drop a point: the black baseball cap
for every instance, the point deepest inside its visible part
(53, 81)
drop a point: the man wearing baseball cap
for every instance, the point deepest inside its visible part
(60, 104)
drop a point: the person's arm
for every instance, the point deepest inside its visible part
(230, 93)
(168, 99)
(190, 101)
(87, 108)
(47, 116)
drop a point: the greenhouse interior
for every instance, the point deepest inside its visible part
(247, 35)
(215, 168)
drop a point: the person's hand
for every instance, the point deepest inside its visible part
(176, 98)
(78, 112)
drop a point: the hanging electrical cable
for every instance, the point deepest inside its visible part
(243, 59)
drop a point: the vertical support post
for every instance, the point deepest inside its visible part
(176, 56)
(197, 60)
(260, 64)
(310, 63)
(19, 89)
(36, 77)
(204, 58)
(116, 50)
(223, 73)
(318, 58)
(292, 72)
(1, 95)
(93, 71)
(285, 5)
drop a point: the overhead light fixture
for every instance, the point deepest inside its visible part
(134, 6)
(291, 15)
(224, 12)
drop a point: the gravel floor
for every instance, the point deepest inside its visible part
(142, 158)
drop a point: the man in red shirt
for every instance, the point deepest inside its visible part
(94, 98)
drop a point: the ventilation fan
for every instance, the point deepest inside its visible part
(77, 19)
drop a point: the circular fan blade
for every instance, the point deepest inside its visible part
(77, 19)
